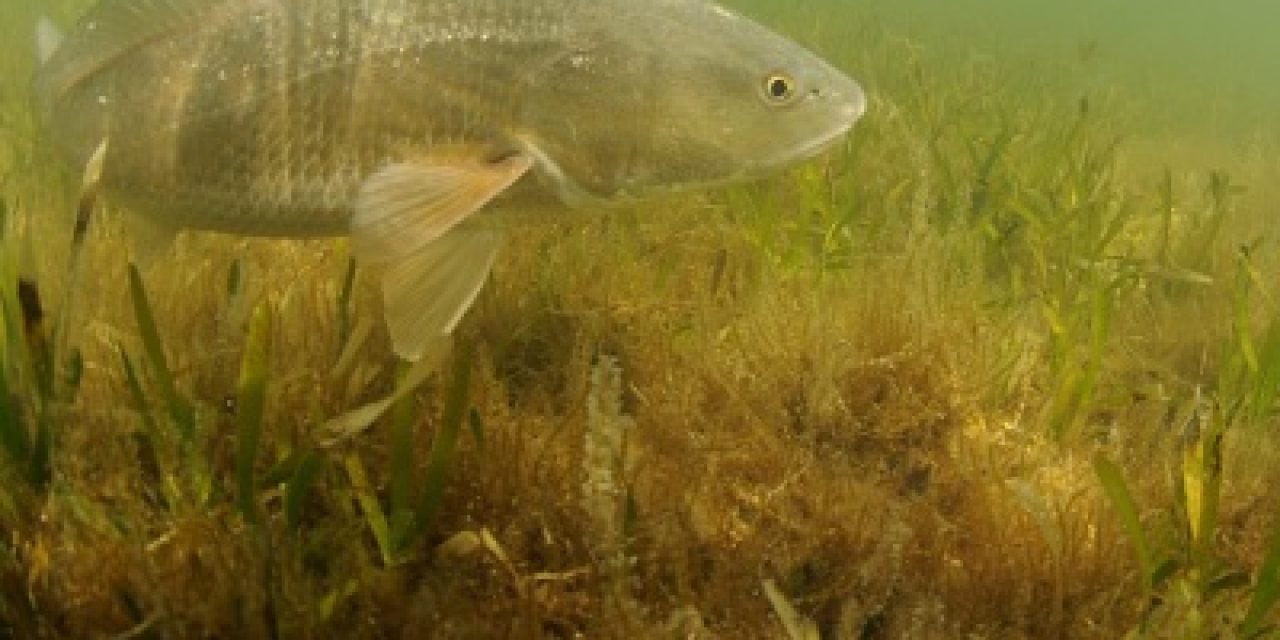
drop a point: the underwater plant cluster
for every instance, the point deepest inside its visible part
(1003, 364)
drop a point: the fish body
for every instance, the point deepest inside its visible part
(395, 121)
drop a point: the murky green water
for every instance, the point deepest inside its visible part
(853, 352)
(1210, 70)
(1203, 65)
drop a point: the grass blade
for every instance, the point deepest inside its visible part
(282, 470)
(1265, 592)
(40, 467)
(1202, 480)
(13, 433)
(135, 391)
(1118, 493)
(344, 302)
(250, 398)
(456, 404)
(357, 420)
(148, 439)
(32, 338)
(477, 427)
(797, 626)
(299, 487)
(373, 514)
(1267, 386)
(402, 443)
(181, 411)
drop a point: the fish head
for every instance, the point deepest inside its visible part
(680, 95)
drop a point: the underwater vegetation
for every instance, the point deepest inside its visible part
(993, 367)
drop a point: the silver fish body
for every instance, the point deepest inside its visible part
(396, 120)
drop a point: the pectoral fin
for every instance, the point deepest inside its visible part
(403, 207)
(425, 295)
(409, 218)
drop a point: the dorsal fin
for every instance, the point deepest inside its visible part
(114, 27)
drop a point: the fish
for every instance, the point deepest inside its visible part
(412, 126)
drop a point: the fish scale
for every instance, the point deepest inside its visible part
(300, 112)
(397, 122)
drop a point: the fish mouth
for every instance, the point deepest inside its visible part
(806, 150)
(849, 113)
(820, 144)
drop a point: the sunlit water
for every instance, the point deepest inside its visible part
(1197, 69)
(1208, 67)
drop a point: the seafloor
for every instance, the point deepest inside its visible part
(1004, 365)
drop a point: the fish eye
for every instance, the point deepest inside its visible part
(779, 87)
